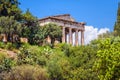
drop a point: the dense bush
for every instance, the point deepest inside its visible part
(9, 45)
(108, 63)
(2, 56)
(7, 64)
(26, 72)
(2, 44)
(33, 55)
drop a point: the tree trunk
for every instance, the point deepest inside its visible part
(5, 38)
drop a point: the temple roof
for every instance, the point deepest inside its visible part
(64, 17)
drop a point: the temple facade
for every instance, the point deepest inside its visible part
(69, 27)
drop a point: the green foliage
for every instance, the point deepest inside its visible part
(65, 67)
(9, 27)
(64, 47)
(10, 8)
(28, 17)
(2, 45)
(82, 59)
(33, 55)
(24, 57)
(26, 72)
(9, 46)
(7, 64)
(53, 66)
(30, 26)
(108, 62)
(54, 31)
(2, 57)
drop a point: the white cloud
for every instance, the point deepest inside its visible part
(92, 33)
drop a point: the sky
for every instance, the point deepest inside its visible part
(99, 15)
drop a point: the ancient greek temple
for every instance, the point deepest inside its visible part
(69, 27)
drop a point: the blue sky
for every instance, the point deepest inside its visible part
(97, 13)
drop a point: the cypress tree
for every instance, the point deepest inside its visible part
(117, 23)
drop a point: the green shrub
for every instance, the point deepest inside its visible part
(32, 55)
(9, 46)
(26, 45)
(2, 45)
(26, 72)
(107, 64)
(66, 49)
(2, 57)
(7, 64)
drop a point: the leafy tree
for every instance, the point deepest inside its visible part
(28, 17)
(52, 30)
(9, 26)
(82, 59)
(117, 23)
(29, 27)
(10, 8)
(108, 61)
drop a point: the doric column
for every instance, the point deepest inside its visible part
(63, 34)
(82, 37)
(76, 37)
(70, 35)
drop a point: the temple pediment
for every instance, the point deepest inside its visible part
(64, 17)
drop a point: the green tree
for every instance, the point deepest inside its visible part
(82, 59)
(9, 26)
(117, 23)
(108, 59)
(28, 17)
(29, 26)
(52, 30)
(10, 8)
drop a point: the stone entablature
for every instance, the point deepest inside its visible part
(69, 26)
(61, 22)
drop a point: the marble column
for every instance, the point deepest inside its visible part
(70, 35)
(63, 34)
(82, 37)
(76, 37)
